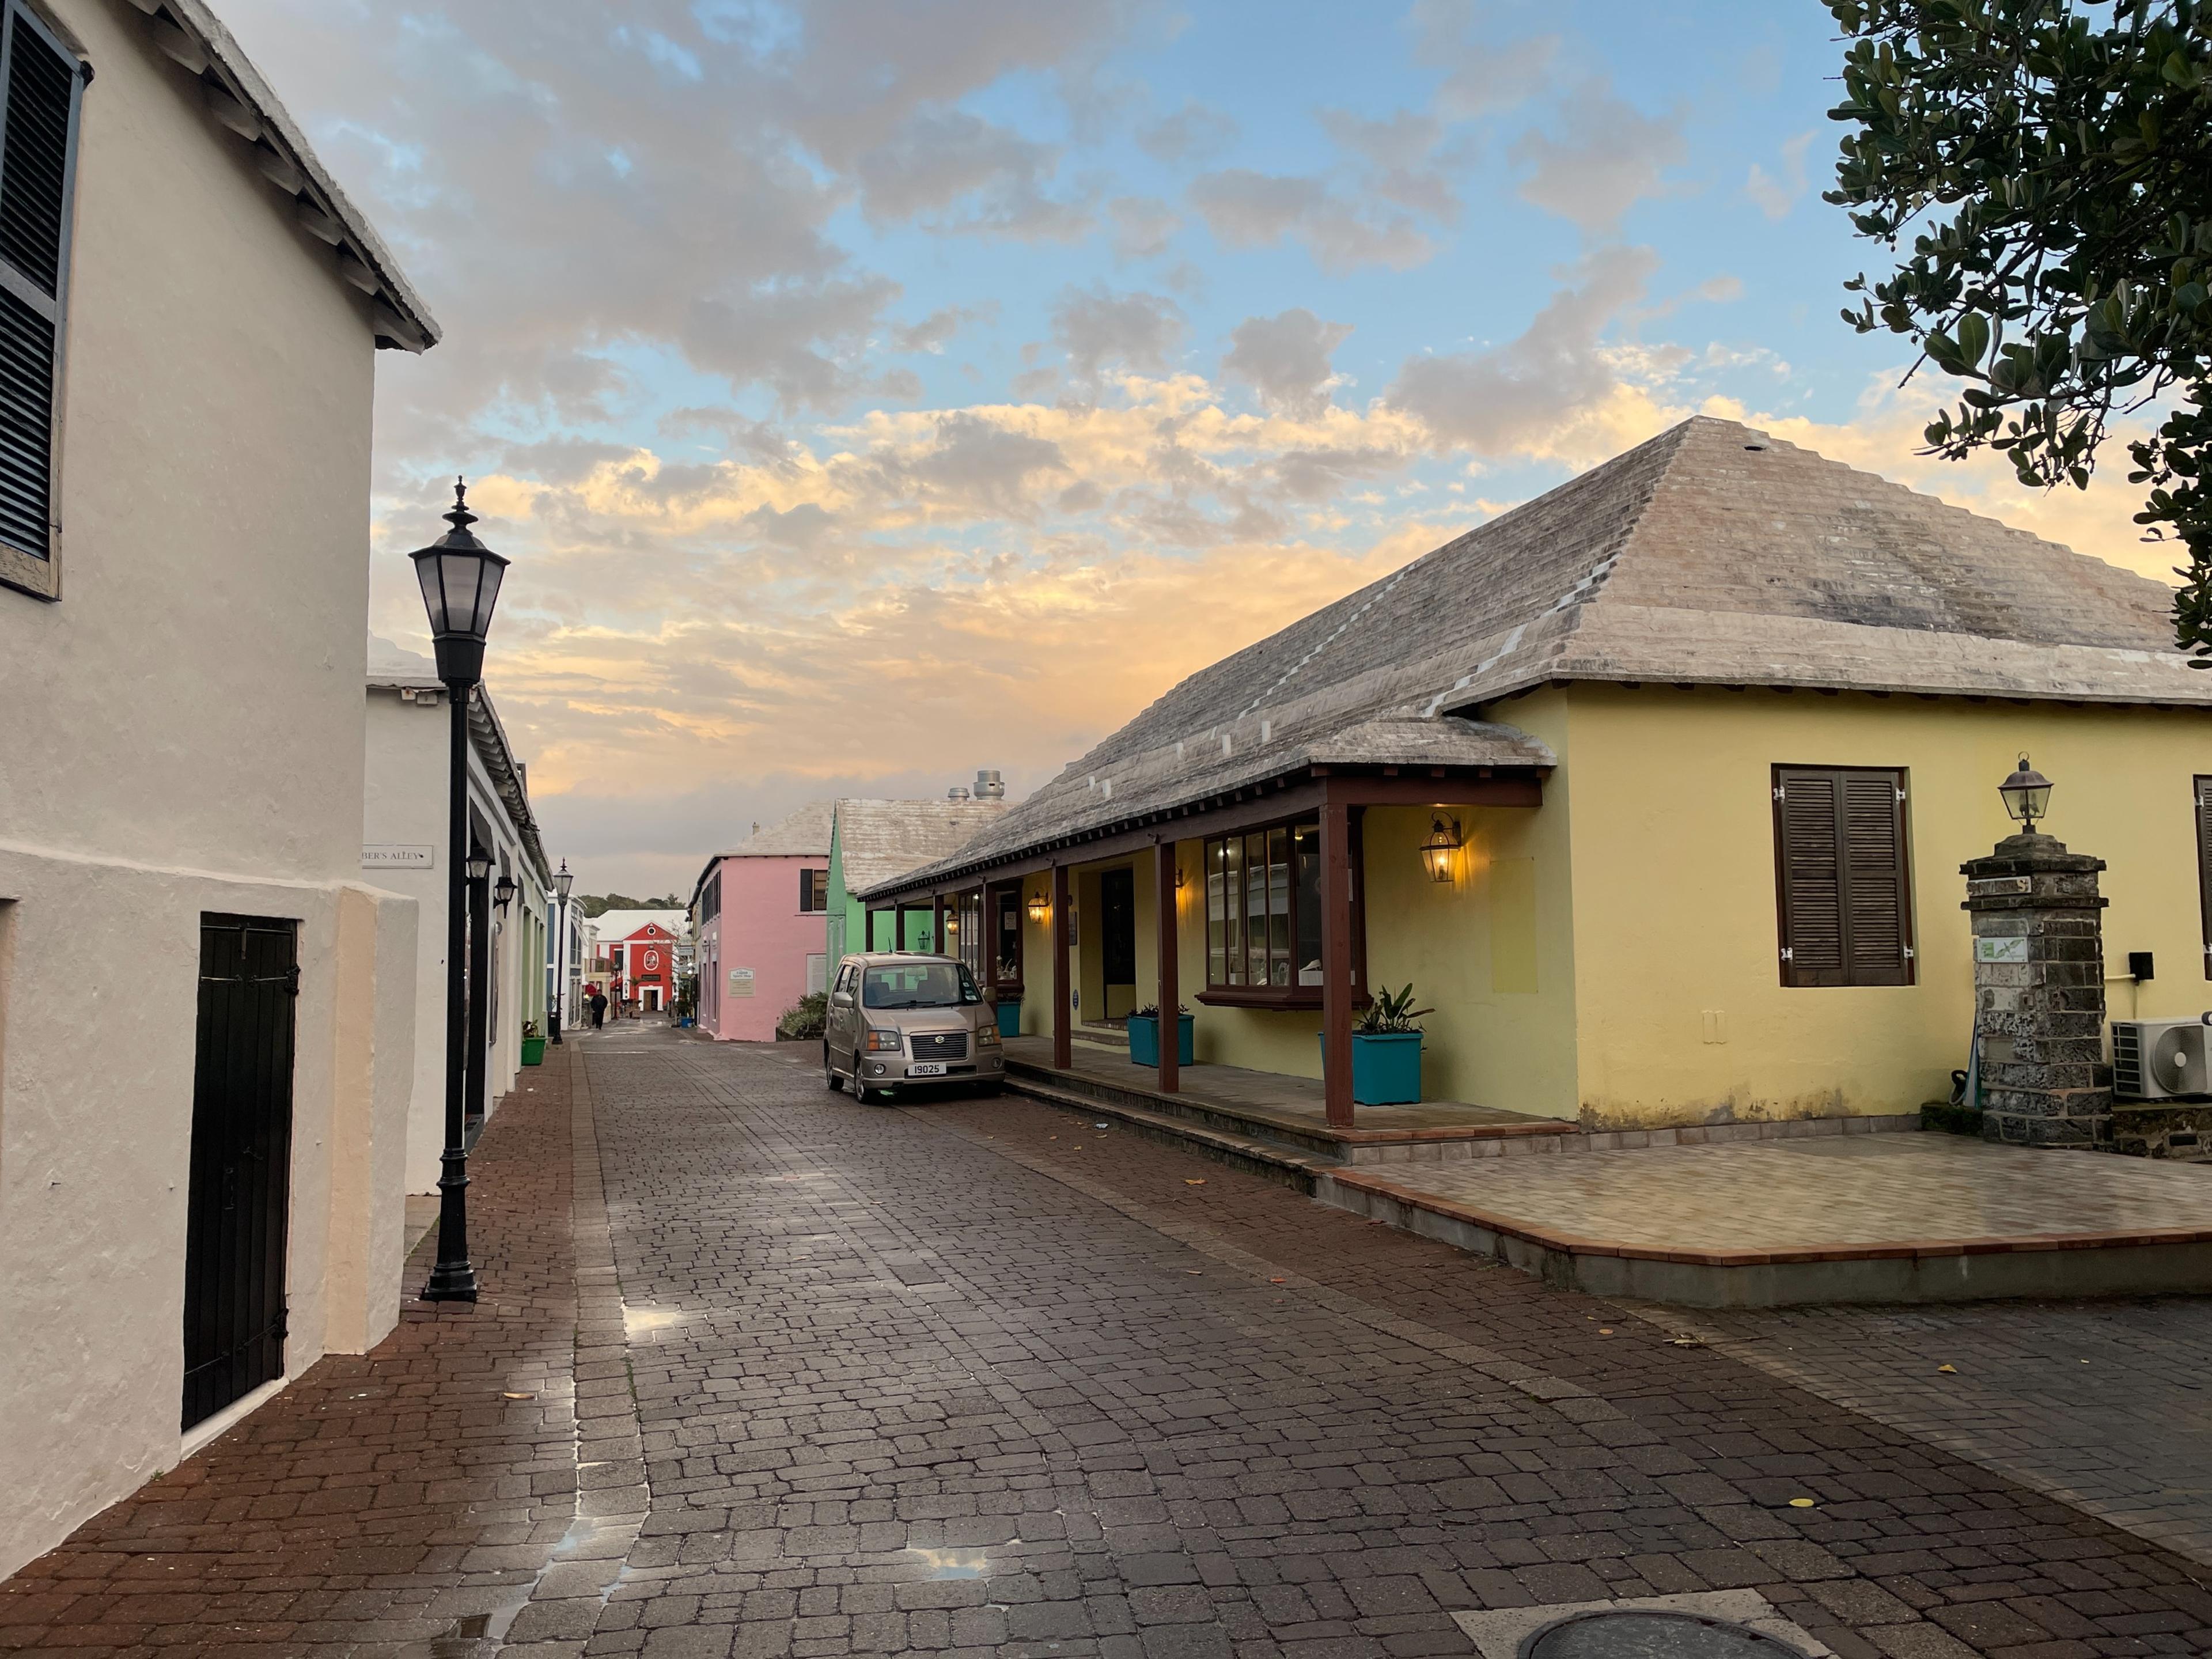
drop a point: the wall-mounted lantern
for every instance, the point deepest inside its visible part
(1040, 908)
(2026, 795)
(503, 891)
(1440, 851)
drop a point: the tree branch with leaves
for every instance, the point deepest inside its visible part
(2042, 170)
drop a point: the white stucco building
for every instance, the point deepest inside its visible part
(206, 1009)
(404, 829)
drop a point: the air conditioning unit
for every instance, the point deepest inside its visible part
(2161, 1059)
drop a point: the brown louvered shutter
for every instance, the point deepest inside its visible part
(1810, 863)
(38, 149)
(1844, 891)
(1874, 908)
(2203, 786)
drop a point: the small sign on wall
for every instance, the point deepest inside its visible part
(2000, 949)
(397, 855)
(741, 982)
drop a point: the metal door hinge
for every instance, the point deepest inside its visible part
(1908, 953)
(1777, 791)
(1786, 956)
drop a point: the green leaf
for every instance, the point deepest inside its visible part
(1973, 338)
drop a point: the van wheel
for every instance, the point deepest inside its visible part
(829, 1072)
(863, 1096)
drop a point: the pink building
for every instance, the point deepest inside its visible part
(759, 915)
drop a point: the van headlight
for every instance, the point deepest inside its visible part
(881, 1041)
(986, 1036)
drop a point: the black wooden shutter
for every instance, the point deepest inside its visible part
(1841, 873)
(806, 890)
(37, 154)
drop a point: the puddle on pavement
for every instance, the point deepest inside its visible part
(953, 1563)
(649, 1321)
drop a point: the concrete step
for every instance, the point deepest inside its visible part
(1288, 1165)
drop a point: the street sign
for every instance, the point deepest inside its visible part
(399, 855)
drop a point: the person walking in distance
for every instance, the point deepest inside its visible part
(598, 1009)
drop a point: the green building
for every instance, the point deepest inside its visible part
(873, 841)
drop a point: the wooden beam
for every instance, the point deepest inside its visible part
(1297, 799)
(1336, 987)
(1063, 1032)
(936, 926)
(1170, 991)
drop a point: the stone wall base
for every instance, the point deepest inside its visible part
(2177, 1129)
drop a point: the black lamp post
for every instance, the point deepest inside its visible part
(562, 883)
(460, 578)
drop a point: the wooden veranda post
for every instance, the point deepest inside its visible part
(1063, 1032)
(1170, 991)
(936, 926)
(1336, 962)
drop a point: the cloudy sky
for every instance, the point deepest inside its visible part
(867, 391)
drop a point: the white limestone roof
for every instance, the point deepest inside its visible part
(1711, 555)
(878, 841)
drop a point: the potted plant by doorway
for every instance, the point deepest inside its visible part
(1145, 1035)
(533, 1044)
(1009, 1002)
(1386, 1049)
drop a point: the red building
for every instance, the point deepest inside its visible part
(639, 966)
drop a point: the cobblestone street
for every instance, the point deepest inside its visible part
(978, 1375)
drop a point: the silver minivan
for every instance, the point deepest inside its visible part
(899, 1020)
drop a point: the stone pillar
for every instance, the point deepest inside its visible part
(2039, 993)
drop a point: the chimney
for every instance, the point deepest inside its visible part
(990, 786)
(958, 792)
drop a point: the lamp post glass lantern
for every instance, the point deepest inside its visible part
(503, 894)
(2026, 795)
(460, 581)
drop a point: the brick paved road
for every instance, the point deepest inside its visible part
(2108, 1404)
(979, 1377)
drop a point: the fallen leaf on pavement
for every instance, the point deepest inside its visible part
(1949, 1371)
(1684, 1342)
(521, 1396)
(1200, 1181)
(1277, 1281)
(1801, 1503)
(1605, 1330)
(1195, 1273)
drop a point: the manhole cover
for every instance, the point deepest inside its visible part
(1652, 1634)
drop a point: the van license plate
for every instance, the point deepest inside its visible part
(927, 1068)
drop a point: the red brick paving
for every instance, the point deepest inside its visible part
(978, 1377)
(379, 1500)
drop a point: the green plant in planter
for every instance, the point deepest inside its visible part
(1152, 1011)
(804, 1021)
(1390, 1013)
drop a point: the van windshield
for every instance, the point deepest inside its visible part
(919, 985)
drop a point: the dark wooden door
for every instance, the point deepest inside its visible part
(1117, 934)
(241, 1161)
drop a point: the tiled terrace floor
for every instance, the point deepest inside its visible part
(1269, 1096)
(1823, 1192)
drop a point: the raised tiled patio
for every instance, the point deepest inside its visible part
(1833, 1218)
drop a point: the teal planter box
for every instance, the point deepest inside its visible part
(1145, 1039)
(1386, 1068)
(1010, 1017)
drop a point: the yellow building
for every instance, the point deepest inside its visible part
(1657, 789)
